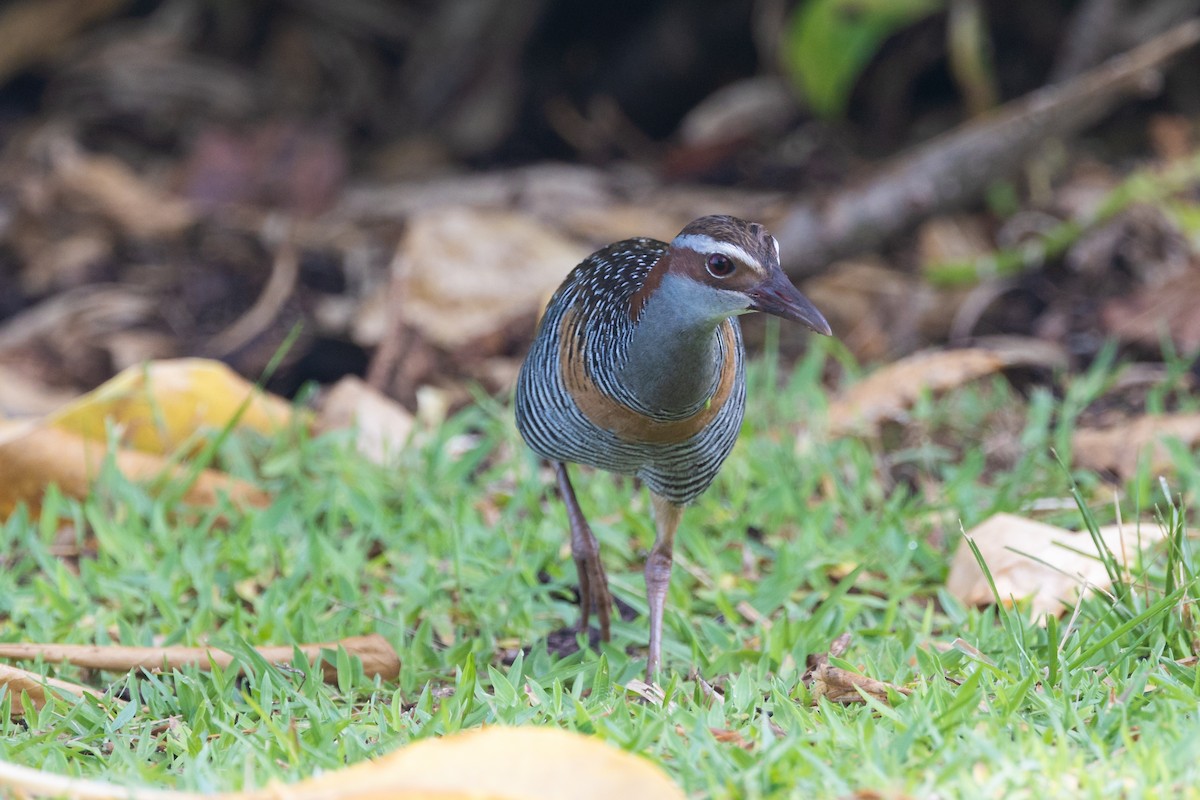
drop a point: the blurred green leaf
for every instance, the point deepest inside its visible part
(1186, 214)
(828, 43)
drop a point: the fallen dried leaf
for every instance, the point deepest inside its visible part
(875, 794)
(35, 686)
(32, 458)
(296, 167)
(727, 736)
(652, 693)
(468, 272)
(839, 685)
(876, 310)
(68, 338)
(56, 261)
(1066, 561)
(952, 237)
(521, 763)
(489, 764)
(162, 404)
(889, 392)
(377, 656)
(1171, 136)
(22, 396)
(383, 426)
(842, 686)
(110, 188)
(1118, 449)
(840, 645)
(1167, 309)
(963, 646)
(32, 30)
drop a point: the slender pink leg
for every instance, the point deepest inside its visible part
(593, 583)
(658, 575)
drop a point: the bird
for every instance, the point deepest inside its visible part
(638, 368)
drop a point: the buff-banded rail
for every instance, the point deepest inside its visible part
(638, 369)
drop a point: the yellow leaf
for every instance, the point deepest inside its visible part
(490, 764)
(160, 405)
(526, 763)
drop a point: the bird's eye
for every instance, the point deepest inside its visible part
(720, 265)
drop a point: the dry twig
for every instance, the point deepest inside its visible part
(378, 657)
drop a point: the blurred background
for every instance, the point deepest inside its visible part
(405, 182)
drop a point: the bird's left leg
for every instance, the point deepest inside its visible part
(658, 575)
(593, 583)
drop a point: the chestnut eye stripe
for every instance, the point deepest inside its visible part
(706, 244)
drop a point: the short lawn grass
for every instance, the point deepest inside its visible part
(458, 556)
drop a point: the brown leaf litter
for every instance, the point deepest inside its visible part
(839, 685)
(1048, 565)
(1120, 448)
(21, 684)
(890, 391)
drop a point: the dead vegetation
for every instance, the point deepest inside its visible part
(185, 178)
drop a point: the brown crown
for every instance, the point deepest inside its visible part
(750, 236)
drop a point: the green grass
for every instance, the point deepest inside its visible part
(458, 557)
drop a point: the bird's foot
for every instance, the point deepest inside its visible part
(594, 595)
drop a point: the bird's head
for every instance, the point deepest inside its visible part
(725, 266)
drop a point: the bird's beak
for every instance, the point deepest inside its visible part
(776, 295)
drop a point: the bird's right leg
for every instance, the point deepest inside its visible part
(593, 583)
(658, 575)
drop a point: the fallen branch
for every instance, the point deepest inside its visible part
(957, 167)
(378, 657)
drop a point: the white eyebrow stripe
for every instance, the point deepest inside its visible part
(706, 244)
(775, 242)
